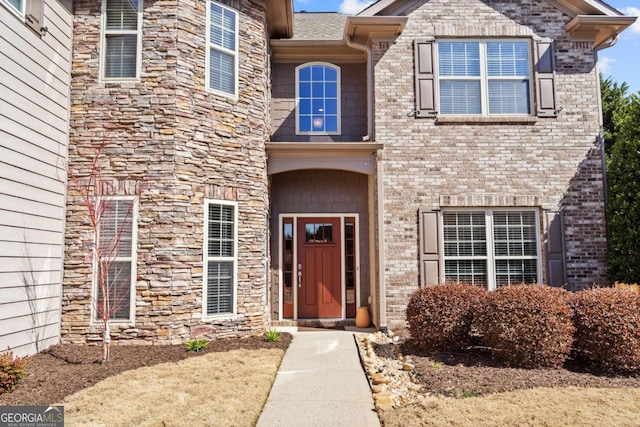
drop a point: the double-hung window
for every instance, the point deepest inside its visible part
(484, 77)
(115, 270)
(222, 49)
(220, 263)
(122, 39)
(491, 248)
(318, 97)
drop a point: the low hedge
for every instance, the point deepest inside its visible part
(527, 326)
(440, 316)
(607, 323)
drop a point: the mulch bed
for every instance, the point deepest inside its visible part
(65, 369)
(476, 373)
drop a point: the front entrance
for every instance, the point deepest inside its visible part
(319, 267)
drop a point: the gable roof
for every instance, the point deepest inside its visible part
(318, 26)
(570, 7)
(591, 20)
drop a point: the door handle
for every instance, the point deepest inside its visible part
(299, 275)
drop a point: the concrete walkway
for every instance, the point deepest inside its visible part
(320, 383)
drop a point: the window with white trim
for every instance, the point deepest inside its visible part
(122, 39)
(491, 248)
(487, 77)
(318, 99)
(220, 264)
(17, 5)
(222, 49)
(116, 254)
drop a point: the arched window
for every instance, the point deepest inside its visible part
(318, 99)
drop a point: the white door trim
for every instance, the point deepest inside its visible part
(295, 217)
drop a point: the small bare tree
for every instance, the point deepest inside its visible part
(111, 222)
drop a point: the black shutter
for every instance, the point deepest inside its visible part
(429, 248)
(554, 245)
(545, 78)
(423, 54)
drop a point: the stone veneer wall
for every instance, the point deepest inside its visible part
(180, 145)
(549, 163)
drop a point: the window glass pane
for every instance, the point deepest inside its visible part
(319, 233)
(305, 123)
(121, 56)
(331, 89)
(317, 73)
(122, 15)
(508, 59)
(459, 59)
(469, 272)
(509, 97)
(305, 106)
(464, 234)
(331, 106)
(331, 124)
(514, 233)
(222, 27)
(514, 272)
(460, 97)
(115, 228)
(221, 72)
(305, 90)
(118, 287)
(18, 4)
(219, 287)
(305, 74)
(330, 74)
(221, 231)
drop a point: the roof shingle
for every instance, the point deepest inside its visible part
(318, 26)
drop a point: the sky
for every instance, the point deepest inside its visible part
(620, 62)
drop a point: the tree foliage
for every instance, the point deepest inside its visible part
(621, 119)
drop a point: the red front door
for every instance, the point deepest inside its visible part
(319, 269)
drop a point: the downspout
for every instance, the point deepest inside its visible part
(382, 306)
(367, 51)
(610, 43)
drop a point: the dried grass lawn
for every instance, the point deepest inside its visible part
(216, 389)
(570, 406)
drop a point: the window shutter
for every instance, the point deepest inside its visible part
(33, 13)
(554, 245)
(423, 53)
(429, 248)
(545, 78)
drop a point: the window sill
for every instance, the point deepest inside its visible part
(451, 120)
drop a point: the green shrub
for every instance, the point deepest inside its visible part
(527, 326)
(440, 316)
(11, 371)
(196, 344)
(272, 335)
(607, 325)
